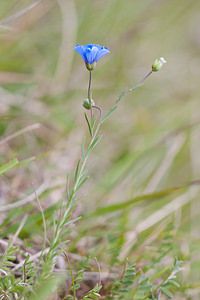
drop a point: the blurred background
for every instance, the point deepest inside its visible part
(150, 143)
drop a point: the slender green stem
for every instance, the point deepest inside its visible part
(89, 95)
(145, 77)
(131, 89)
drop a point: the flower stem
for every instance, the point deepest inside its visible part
(131, 89)
(89, 97)
(145, 77)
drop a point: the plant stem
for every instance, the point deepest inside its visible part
(131, 89)
(89, 95)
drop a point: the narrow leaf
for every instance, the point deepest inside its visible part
(88, 123)
(123, 205)
(166, 292)
(76, 173)
(108, 114)
(121, 95)
(93, 121)
(8, 166)
(94, 143)
(81, 183)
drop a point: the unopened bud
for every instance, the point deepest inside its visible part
(86, 103)
(157, 65)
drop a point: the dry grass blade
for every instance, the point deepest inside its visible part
(22, 131)
(21, 225)
(165, 165)
(20, 13)
(69, 30)
(26, 200)
(154, 218)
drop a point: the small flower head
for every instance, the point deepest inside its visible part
(91, 53)
(157, 65)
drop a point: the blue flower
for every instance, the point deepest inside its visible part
(91, 53)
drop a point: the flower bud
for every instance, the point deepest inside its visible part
(157, 65)
(90, 67)
(86, 103)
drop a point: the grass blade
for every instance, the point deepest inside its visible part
(8, 166)
(123, 205)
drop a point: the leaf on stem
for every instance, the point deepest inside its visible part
(166, 293)
(76, 173)
(93, 144)
(108, 114)
(88, 123)
(126, 91)
(8, 166)
(93, 121)
(121, 95)
(81, 182)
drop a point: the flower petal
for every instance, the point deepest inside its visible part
(81, 51)
(101, 53)
(90, 53)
